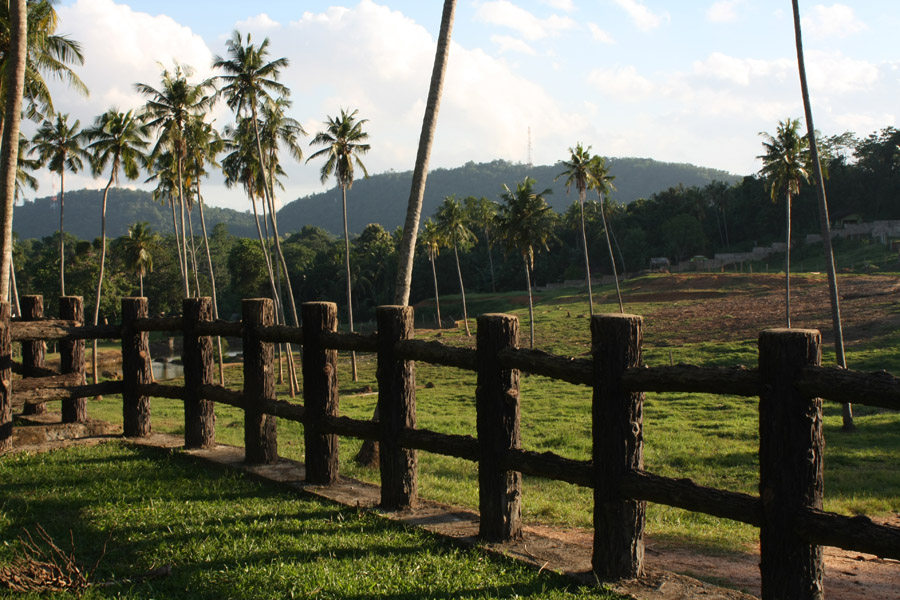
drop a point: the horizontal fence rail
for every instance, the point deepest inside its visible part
(619, 494)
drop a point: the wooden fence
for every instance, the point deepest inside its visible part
(789, 382)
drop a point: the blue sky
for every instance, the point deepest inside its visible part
(693, 81)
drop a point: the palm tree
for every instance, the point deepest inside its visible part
(420, 173)
(432, 239)
(58, 146)
(169, 110)
(526, 223)
(119, 140)
(482, 213)
(453, 224)
(578, 172)
(601, 181)
(785, 167)
(847, 409)
(343, 138)
(14, 84)
(164, 173)
(139, 246)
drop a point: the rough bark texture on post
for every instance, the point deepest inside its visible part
(618, 447)
(71, 358)
(497, 418)
(260, 441)
(790, 464)
(396, 408)
(135, 369)
(33, 351)
(199, 414)
(5, 379)
(320, 392)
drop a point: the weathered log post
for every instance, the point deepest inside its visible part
(396, 408)
(5, 379)
(135, 369)
(497, 423)
(320, 392)
(197, 358)
(33, 351)
(260, 441)
(71, 358)
(790, 464)
(618, 447)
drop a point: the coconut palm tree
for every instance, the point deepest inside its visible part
(58, 146)
(786, 167)
(119, 140)
(453, 224)
(847, 409)
(169, 110)
(420, 172)
(482, 214)
(601, 182)
(432, 240)
(526, 223)
(578, 172)
(163, 171)
(344, 141)
(139, 247)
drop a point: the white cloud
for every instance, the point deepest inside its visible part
(261, 22)
(834, 73)
(642, 17)
(507, 14)
(622, 83)
(742, 71)
(563, 5)
(600, 35)
(835, 21)
(723, 11)
(508, 43)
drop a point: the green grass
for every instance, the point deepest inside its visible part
(712, 440)
(229, 537)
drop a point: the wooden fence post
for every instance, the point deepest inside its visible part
(197, 358)
(71, 358)
(5, 379)
(790, 464)
(396, 408)
(320, 392)
(135, 369)
(618, 447)
(497, 420)
(33, 352)
(260, 440)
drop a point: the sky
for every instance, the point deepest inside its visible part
(693, 81)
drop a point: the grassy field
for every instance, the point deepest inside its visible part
(712, 440)
(225, 536)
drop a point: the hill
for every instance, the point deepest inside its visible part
(379, 199)
(383, 198)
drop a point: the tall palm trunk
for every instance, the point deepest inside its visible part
(102, 266)
(14, 76)
(437, 301)
(193, 255)
(846, 408)
(141, 280)
(420, 173)
(187, 289)
(612, 259)
(212, 283)
(587, 261)
(177, 244)
(62, 239)
(347, 268)
(462, 291)
(487, 242)
(530, 300)
(787, 263)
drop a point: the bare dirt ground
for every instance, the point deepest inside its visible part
(869, 307)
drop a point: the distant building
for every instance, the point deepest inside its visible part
(659, 263)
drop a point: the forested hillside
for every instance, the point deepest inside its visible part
(383, 198)
(379, 199)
